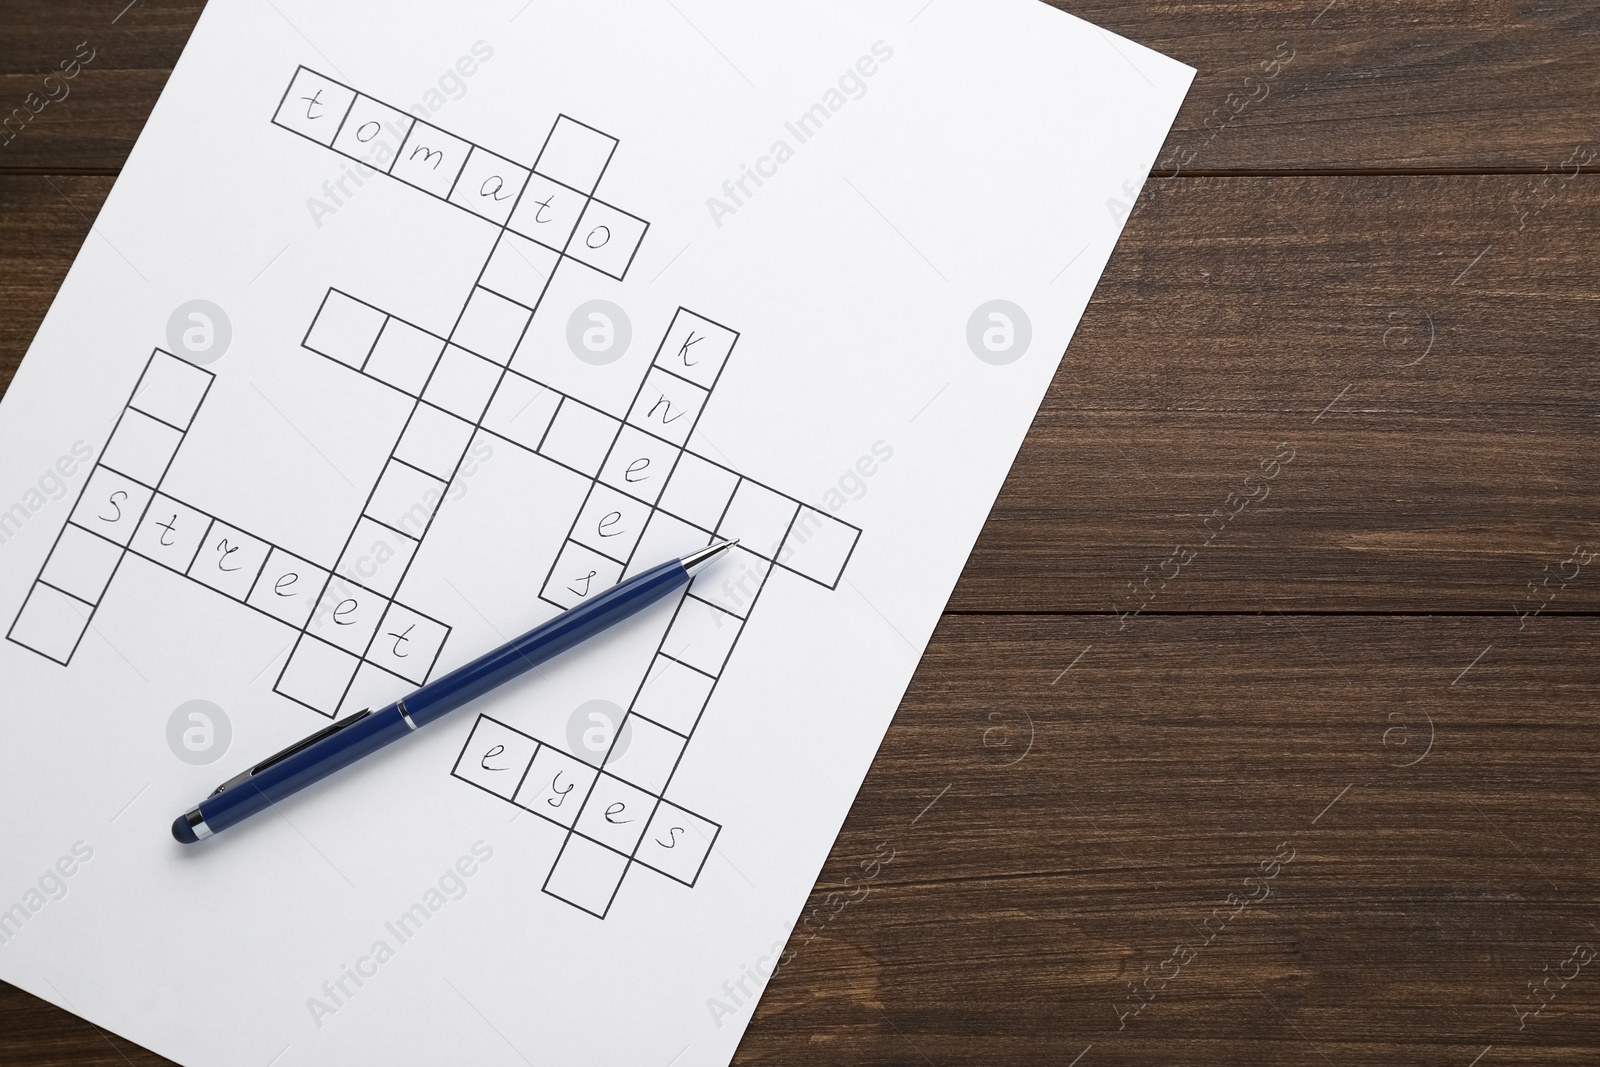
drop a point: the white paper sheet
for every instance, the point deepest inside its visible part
(837, 250)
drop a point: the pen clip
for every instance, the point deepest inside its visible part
(245, 776)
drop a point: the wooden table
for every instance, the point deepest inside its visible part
(1262, 727)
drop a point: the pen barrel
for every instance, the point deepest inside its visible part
(465, 684)
(360, 735)
(355, 738)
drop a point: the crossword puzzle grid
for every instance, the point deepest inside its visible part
(643, 488)
(122, 510)
(646, 490)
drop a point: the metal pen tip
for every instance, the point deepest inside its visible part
(695, 562)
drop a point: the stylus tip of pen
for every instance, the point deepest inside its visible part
(696, 562)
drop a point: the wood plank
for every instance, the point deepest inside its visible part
(1039, 846)
(44, 220)
(1163, 770)
(1436, 84)
(1220, 332)
(1422, 347)
(122, 56)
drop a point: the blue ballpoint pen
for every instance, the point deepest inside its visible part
(343, 743)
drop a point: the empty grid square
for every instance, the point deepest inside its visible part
(607, 239)
(701, 635)
(170, 533)
(434, 441)
(520, 269)
(405, 499)
(345, 329)
(677, 842)
(548, 212)
(488, 186)
(462, 383)
(521, 411)
(579, 437)
(818, 547)
(377, 557)
(171, 390)
(575, 154)
(495, 757)
(81, 564)
(373, 687)
(317, 675)
(699, 491)
(491, 326)
(759, 518)
(51, 623)
(288, 587)
(430, 159)
(314, 106)
(556, 786)
(674, 694)
(587, 876)
(734, 583)
(141, 447)
(229, 561)
(404, 356)
(666, 538)
(111, 505)
(645, 754)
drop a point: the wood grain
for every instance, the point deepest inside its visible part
(1422, 345)
(92, 126)
(1429, 85)
(1428, 883)
(1106, 739)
